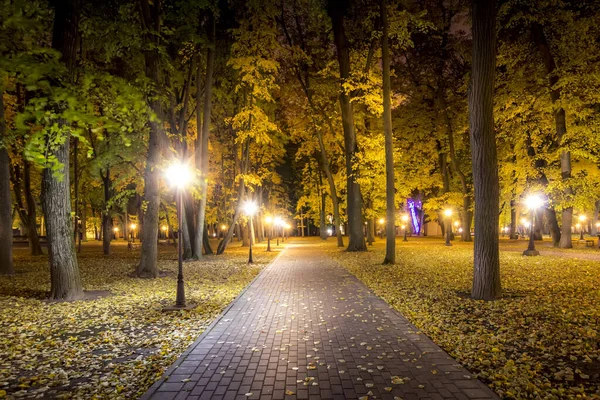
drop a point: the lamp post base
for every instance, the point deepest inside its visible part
(175, 307)
(448, 244)
(531, 253)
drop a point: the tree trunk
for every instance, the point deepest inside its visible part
(513, 221)
(6, 235)
(486, 275)
(84, 221)
(206, 243)
(322, 223)
(390, 190)
(107, 222)
(65, 282)
(202, 141)
(147, 268)
(185, 233)
(336, 11)
(594, 228)
(540, 40)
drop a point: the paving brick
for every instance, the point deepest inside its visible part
(304, 304)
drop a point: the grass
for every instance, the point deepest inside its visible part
(118, 345)
(541, 340)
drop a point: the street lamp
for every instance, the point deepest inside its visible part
(269, 222)
(405, 222)
(286, 228)
(250, 209)
(533, 202)
(133, 226)
(448, 215)
(381, 222)
(116, 231)
(582, 219)
(179, 176)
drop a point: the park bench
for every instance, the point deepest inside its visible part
(589, 243)
(132, 246)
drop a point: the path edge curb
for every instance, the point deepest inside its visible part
(152, 389)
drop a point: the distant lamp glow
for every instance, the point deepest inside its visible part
(448, 212)
(577, 225)
(269, 220)
(381, 221)
(133, 226)
(582, 218)
(178, 175)
(330, 232)
(456, 223)
(533, 202)
(116, 229)
(460, 230)
(164, 228)
(404, 218)
(223, 227)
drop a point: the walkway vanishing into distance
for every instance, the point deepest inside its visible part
(306, 328)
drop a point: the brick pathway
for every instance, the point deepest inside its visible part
(306, 328)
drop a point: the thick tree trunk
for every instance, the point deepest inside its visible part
(513, 221)
(185, 234)
(147, 268)
(65, 282)
(107, 222)
(594, 228)
(336, 11)
(202, 141)
(539, 38)
(6, 235)
(390, 189)
(486, 275)
(206, 243)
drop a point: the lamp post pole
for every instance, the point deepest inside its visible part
(581, 233)
(531, 251)
(250, 260)
(269, 229)
(180, 300)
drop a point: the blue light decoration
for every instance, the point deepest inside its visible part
(412, 209)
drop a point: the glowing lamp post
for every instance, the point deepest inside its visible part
(164, 229)
(250, 209)
(582, 219)
(179, 176)
(133, 226)
(533, 202)
(278, 223)
(448, 215)
(404, 226)
(286, 228)
(116, 231)
(381, 222)
(269, 222)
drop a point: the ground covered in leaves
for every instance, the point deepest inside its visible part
(541, 340)
(118, 345)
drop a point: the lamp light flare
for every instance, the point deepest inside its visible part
(448, 212)
(269, 220)
(133, 226)
(456, 223)
(534, 201)
(381, 221)
(223, 227)
(404, 218)
(178, 175)
(278, 221)
(578, 225)
(164, 228)
(250, 208)
(582, 218)
(116, 229)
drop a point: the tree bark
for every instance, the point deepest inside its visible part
(107, 222)
(336, 11)
(513, 221)
(6, 235)
(202, 141)
(540, 40)
(65, 281)
(390, 189)
(486, 275)
(147, 268)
